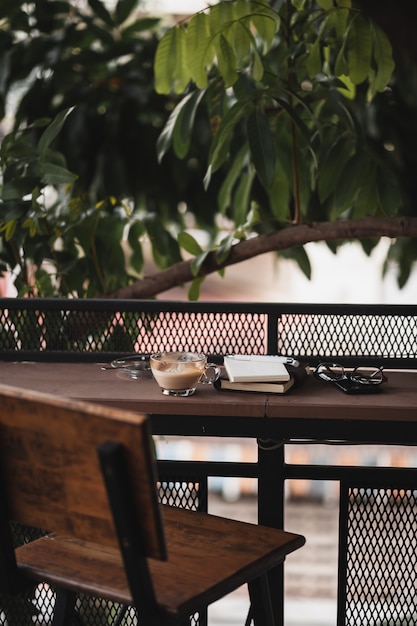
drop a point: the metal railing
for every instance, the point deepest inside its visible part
(61, 329)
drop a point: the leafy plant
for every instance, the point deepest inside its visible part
(251, 118)
(42, 224)
(87, 239)
(285, 80)
(292, 92)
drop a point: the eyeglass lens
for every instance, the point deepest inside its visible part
(367, 376)
(330, 371)
(363, 375)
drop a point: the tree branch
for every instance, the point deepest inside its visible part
(290, 237)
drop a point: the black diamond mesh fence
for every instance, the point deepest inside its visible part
(36, 607)
(47, 329)
(381, 557)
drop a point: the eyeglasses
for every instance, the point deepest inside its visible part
(333, 373)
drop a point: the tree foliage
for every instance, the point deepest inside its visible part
(87, 238)
(303, 90)
(247, 119)
(292, 84)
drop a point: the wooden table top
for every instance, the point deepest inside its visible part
(315, 399)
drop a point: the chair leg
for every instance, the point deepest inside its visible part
(261, 606)
(64, 609)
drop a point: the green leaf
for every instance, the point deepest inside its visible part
(266, 26)
(299, 123)
(207, 177)
(102, 33)
(170, 66)
(220, 16)
(242, 197)
(253, 217)
(241, 9)
(198, 46)
(17, 188)
(262, 147)
(57, 175)
(226, 189)
(164, 141)
(347, 88)
(198, 262)
(194, 291)
(99, 9)
(224, 248)
(165, 247)
(300, 256)
(369, 245)
(383, 58)
(227, 62)
(338, 19)
(189, 244)
(31, 225)
(179, 126)
(124, 8)
(325, 4)
(216, 101)
(280, 192)
(44, 284)
(182, 71)
(359, 49)
(184, 124)
(314, 62)
(389, 191)
(52, 131)
(10, 229)
(136, 231)
(341, 66)
(367, 202)
(219, 148)
(140, 25)
(332, 167)
(241, 40)
(403, 254)
(258, 68)
(354, 175)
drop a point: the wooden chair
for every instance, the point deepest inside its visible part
(86, 474)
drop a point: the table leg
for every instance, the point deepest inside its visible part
(271, 511)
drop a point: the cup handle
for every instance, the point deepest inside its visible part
(208, 378)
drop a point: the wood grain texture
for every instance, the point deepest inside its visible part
(48, 453)
(208, 557)
(313, 399)
(51, 471)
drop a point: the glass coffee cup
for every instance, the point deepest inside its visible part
(178, 373)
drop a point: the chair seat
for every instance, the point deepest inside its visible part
(208, 557)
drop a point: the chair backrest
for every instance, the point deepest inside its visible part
(51, 475)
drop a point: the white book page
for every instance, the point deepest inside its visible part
(244, 368)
